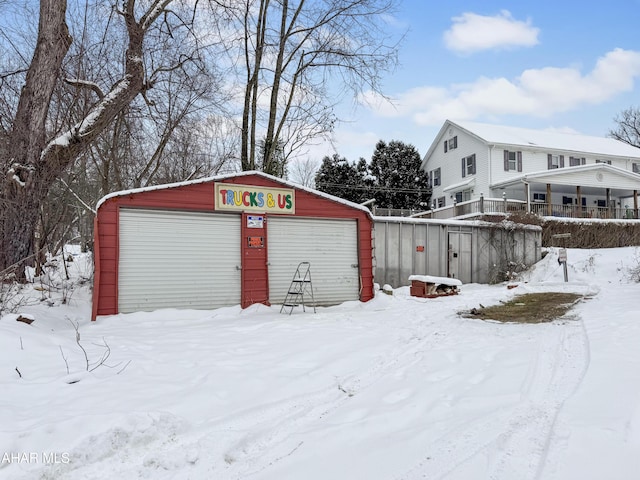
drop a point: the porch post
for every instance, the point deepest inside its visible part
(635, 204)
(608, 195)
(579, 195)
(549, 211)
(526, 196)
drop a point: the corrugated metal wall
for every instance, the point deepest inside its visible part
(396, 254)
(331, 246)
(404, 247)
(178, 259)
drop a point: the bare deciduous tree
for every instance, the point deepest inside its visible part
(292, 51)
(35, 155)
(628, 129)
(303, 171)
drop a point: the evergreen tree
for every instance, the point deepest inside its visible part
(399, 181)
(337, 176)
(393, 177)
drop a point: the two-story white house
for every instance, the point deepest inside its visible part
(552, 172)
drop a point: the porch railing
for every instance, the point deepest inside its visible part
(583, 211)
(475, 208)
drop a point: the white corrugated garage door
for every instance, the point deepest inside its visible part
(178, 259)
(330, 245)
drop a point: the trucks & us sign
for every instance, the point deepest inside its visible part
(250, 198)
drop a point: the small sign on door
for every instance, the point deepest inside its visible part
(256, 242)
(255, 221)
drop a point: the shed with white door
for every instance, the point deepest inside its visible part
(470, 251)
(228, 240)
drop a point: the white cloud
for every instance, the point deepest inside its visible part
(536, 92)
(403, 104)
(471, 33)
(394, 22)
(348, 143)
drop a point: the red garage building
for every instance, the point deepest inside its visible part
(228, 240)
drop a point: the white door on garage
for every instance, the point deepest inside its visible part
(172, 259)
(460, 256)
(331, 246)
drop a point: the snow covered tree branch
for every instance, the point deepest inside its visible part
(32, 162)
(86, 84)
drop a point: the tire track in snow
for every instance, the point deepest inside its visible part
(259, 450)
(516, 442)
(547, 456)
(251, 441)
(248, 442)
(560, 368)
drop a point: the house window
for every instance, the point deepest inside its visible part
(453, 143)
(469, 165)
(540, 197)
(555, 161)
(463, 196)
(567, 200)
(512, 161)
(602, 203)
(635, 167)
(441, 202)
(436, 177)
(575, 161)
(608, 162)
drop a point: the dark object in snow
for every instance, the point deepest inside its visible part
(24, 319)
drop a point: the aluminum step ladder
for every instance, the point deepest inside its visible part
(300, 286)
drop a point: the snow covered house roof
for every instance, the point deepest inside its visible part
(530, 138)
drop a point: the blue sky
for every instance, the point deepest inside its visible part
(563, 65)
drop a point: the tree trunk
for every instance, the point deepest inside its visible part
(23, 185)
(270, 141)
(248, 143)
(34, 164)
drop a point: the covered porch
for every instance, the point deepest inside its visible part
(586, 191)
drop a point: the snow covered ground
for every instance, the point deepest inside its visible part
(396, 388)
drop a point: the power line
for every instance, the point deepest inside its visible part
(373, 188)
